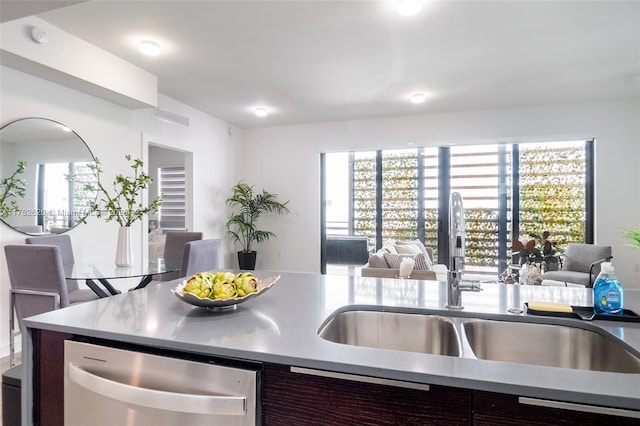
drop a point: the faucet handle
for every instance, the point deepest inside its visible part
(473, 285)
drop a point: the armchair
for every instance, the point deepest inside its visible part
(580, 264)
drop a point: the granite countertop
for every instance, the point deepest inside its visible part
(281, 325)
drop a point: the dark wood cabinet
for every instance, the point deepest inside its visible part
(48, 377)
(290, 398)
(495, 409)
(299, 399)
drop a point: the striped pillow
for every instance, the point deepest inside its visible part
(394, 261)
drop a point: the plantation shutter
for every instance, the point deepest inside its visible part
(172, 212)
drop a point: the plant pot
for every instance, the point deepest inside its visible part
(124, 252)
(247, 260)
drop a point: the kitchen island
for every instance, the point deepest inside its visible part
(279, 329)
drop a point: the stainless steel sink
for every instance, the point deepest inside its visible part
(457, 335)
(549, 345)
(430, 334)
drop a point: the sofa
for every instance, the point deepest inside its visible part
(385, 263)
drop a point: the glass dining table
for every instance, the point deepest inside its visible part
(103, 271)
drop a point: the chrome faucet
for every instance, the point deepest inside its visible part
(457, 245)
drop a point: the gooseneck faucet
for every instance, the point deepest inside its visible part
(456, 254)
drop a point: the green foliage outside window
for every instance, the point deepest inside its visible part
(552, 197)
(552, 192)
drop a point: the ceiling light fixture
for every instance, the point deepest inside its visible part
(261, 112)
(418, 98)
(408, 7)
(149, 48)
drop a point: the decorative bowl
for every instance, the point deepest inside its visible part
(222, 304)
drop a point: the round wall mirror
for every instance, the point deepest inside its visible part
(44, 169)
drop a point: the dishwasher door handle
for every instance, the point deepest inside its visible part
(171, 401)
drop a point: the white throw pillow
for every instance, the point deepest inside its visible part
(390, 246)
(407, 249)
(421, 248)
(394, 261)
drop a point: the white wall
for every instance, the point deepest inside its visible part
(214, 144)
(286, 161)
(112, 131)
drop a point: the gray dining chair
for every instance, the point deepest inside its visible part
(173, 249)
(200, 256)
(580, 264)
(76, 294)
(38, 284)
(175, 241)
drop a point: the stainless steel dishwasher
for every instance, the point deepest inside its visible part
(110, 386)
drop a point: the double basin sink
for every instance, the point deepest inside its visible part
(535, 343)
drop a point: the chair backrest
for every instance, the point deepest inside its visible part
(62, 241)
(175, 240)
(39, 268)
(579, 257)
(200, 256)
(66, 250)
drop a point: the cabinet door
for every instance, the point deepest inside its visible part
(48, 377)
(299, 399)
(494, 409)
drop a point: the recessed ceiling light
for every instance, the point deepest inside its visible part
(149, 48)
(418, 98)
(261, 112)
(408, 7)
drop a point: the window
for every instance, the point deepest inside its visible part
(63, 206)
(172, 213)
(509, 190)
(476, 172)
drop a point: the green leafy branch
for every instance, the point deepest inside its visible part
(122, 203)
(634, 235)
(12, 187)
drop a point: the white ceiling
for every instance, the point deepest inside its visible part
(315, 61)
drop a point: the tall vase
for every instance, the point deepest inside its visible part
(124, 252)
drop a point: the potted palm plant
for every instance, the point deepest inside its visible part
(122, 204)
(246, 208)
